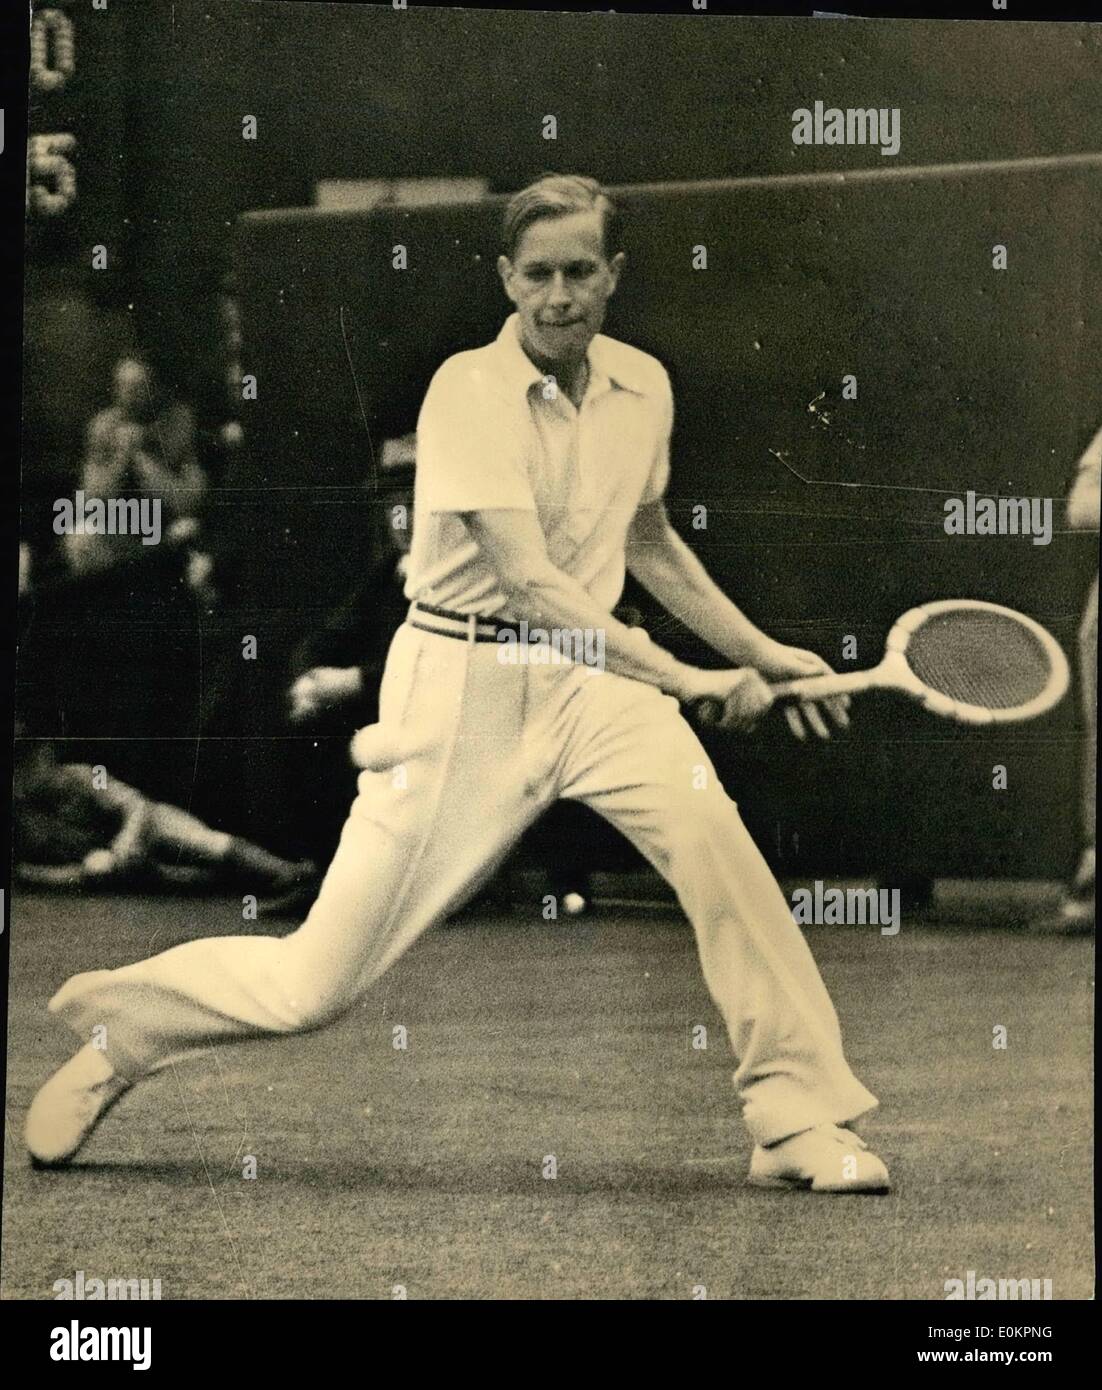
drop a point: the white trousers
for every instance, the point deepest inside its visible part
(467, 752)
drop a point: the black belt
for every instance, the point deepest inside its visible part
(463, 627)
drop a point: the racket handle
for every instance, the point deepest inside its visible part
(822, 687)
(707, 712)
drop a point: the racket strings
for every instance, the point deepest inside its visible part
(979, 658)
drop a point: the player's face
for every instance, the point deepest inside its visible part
(560, 281)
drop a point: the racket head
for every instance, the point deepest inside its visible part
(979, 663)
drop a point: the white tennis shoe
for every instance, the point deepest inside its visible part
(824, 1159)
(69, 1106)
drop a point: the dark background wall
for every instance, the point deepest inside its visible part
(966, 377)
(365, 91)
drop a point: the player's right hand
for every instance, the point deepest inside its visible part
(734, 699)
(322, 688)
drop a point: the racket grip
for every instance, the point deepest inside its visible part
(707, 711)
(822, 687)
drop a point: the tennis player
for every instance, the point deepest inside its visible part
(542, 459)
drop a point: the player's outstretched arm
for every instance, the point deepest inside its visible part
(666, 567)
(512, 542)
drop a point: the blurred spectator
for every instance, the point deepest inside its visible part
(340, 666)
(336, 670)
(216, 382)
(231, 344)
(71, 339)
(1076, 911)
(143, 443)
(75, 826)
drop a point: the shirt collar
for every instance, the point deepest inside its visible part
(607, 364)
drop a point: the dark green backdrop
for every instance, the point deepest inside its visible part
(967, 378)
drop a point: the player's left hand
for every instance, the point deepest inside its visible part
(776, 662)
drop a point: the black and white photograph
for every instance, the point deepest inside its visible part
(555, 661)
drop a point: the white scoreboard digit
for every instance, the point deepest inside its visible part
(51, 176)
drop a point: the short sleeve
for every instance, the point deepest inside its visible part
(472, 445)
(659, 476)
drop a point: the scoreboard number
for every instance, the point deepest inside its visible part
(53, 50)
(51, 177)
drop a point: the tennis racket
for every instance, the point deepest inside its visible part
(962, 659)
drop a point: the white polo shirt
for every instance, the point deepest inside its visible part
(493, 434)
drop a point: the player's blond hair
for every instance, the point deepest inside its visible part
(559, 195)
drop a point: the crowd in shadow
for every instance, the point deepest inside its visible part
(108, 639)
